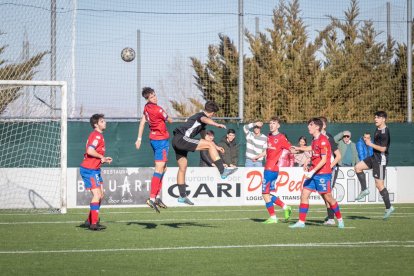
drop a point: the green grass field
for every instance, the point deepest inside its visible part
(208, 241)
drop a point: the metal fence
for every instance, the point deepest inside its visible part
(294, 59)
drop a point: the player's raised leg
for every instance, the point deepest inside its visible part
(360, 167)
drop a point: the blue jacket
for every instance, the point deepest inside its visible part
(363, 150)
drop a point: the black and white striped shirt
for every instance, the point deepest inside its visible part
(193, 126)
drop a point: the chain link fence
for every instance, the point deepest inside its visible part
(340, 59)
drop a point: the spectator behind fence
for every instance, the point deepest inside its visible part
(363, 149)
(231, 149)
(301, 157)
(205, 159)
(256, 143)
(347, 148)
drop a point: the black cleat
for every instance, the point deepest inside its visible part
(151, 204)
(160, 204)
(97, 227)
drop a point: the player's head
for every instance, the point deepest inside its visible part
(256, 130)
(324, 121)
(302, 141)
(380, 118)
(209, 135)
(231, 134)
(149, 94)
(210, 108)
(98, 122)
(315, 126)
(274, 124)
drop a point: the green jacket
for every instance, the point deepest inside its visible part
(231, 151)
(342, 148)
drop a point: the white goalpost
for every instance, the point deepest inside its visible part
(33, 146)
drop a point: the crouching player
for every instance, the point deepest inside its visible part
(276, 142)
(319, 176)
(90, 169)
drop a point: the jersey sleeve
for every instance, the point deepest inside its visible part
(93, 141)
(385, 138)
(332, 142)
(285, 144)
(323, 145)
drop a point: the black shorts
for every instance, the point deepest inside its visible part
(183, 144)
(378, 170)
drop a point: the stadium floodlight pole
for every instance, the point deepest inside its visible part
(138, 58)
(409, 62)
(63, 131)
(241, 65)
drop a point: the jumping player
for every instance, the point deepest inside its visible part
(377, 162)
(156, 118)
(90, 169)
(184, 141)
(276, 142)
(319, 176)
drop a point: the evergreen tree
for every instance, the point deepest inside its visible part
(24, 70)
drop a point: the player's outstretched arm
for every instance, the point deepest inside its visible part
(211, 122)
(140, 131)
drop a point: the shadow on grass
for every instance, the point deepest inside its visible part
(357, 217)
(186, 224)
(148, 225)
(262, 220)
(177, 225)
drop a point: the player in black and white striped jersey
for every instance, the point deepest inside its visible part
(377, 162)
(184, 141)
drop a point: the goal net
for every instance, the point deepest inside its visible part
(33, 146)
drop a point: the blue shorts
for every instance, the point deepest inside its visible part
(160, 148)
(91, 178)
(319, 182)
(269, 181)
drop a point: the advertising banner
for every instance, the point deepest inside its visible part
(206, 188)
(122, 186)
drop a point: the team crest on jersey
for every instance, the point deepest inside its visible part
(275, 140)
(323, 143)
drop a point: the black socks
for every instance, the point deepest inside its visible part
(386, 198)
(219, 165)
(362, 181)
(182, 189)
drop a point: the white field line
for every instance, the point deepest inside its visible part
(176, 211)
(248, 246)
(403, 215)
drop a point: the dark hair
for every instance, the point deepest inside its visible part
(382, 114)
(95, 119)
(324, 120)
(146, 92)
(210, 132)
(303, 138)
(316, 121)
(230, 130)
(211, 106)
(275, 119)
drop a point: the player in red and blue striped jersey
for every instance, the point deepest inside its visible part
(276, 143)
(156, 117)
(318, 177)
(90, 169)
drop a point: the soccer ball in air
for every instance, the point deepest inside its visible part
(128, 54)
